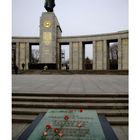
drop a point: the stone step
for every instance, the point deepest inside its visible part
(122, 132)
(36, 111)
(27, 106)
(63, 72)
(18, 129)
(70, 99)
(30, 118)
(118, 120)
(112, 95)
(70, 105)
(23, 118)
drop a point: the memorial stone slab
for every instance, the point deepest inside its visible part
(79, 126)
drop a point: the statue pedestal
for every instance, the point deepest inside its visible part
(49, 32)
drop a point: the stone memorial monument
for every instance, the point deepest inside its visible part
(49, 32)
(68, 125)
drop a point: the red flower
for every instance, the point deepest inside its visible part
(79, 125)
(56, 130)
(60, 134)
(48, 126)
(81, 110)
(45, 133)
(66, 118)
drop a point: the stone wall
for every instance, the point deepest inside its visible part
(125, 54)
(22, 54)
(100, 56)
(76, 56)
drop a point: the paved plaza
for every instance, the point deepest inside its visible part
(70, 84)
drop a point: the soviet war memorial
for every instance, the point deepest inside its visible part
(70, 87)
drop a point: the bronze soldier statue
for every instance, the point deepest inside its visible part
(49, 5)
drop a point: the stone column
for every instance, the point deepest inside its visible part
(119, 54)
(94, 56)
(17, 54)
(71, 56)
(125, 54)
(99, 48)
(75, 46)
(27, 56)
(105, 55)
(48, 37)
(76, 57)
(58, 56)
(22, 54)
(80, 56)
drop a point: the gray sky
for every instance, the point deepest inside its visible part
(76, 17)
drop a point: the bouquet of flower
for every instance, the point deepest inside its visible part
(51, 133)
(45, 67)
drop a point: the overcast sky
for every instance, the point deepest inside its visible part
(76, 17)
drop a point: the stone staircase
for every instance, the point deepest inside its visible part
(69, 72)
(26, 107)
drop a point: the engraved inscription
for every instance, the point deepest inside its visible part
(89, 129)
(47, 38)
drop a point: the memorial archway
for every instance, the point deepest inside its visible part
(64, 55)
(112, 54)
(13, 56)
(87, 55)
(33, 54)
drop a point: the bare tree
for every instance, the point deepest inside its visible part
(35, 56)
(114, 51)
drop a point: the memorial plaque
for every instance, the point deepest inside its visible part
(47, 37)
(78, 126)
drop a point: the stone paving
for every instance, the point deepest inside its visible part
(70, 84)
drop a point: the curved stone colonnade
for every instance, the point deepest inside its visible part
(100, 50)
